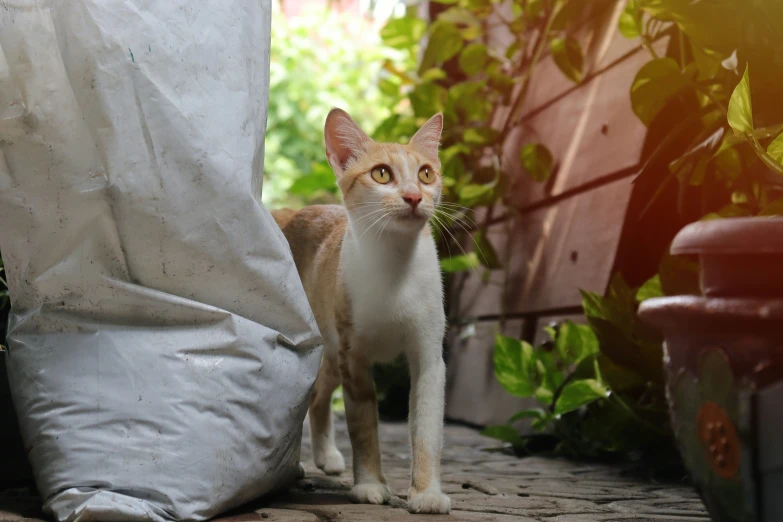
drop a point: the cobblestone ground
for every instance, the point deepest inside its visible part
(483, 487)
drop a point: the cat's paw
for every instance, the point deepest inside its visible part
(370, 493)
(300, 471)
(331, 462)
(428, 502)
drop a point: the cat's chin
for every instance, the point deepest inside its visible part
(410, 221)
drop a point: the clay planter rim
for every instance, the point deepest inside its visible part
(712, 314)
(745, 235)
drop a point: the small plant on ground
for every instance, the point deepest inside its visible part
(600, 385)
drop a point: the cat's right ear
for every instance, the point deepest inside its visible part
(344, 140)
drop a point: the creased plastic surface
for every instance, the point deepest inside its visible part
(161, 348)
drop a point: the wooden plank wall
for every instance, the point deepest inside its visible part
(567, 233)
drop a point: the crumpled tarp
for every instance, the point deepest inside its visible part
(161, 348)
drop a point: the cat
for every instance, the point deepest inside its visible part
(371, 274)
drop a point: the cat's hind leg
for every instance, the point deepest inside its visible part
(325, 453)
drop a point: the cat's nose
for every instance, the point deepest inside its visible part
(412, 199)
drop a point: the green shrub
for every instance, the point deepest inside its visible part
(318, 61)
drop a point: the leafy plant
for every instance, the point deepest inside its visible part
(318, 61)
(476, 82)
(599, 385)
(699, 90)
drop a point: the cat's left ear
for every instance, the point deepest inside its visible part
(427, 139)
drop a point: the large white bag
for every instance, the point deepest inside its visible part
(161, 348)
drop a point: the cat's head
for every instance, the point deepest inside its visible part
(385, 185)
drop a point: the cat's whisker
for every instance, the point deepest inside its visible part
(368, 216)
(458, 218)
(475, 243)
(383, 228)
(468, 232)
(448, 204)
(461, 249)
(370, 227)
(355, 206)
(441, 227)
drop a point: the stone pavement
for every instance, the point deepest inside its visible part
(483, 486)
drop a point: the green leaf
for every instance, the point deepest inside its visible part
(513, 49)
(403, 33)
(504, 433)
(533, 413)
(427, 99)
(447, 2)
(537, 161)
(630, 23)
(487, 253)
(544, 394)
(534, 8)
(434, 74)
(707, 62)
(395, 128)
(459, 263)
(444, 43)
(567, 54)
(466, 102)
(568, 13)
(499, 80)
(651, 288)
(514, 362)
(389, 86)
(679, 275)
(617, 377)
(655, 83)
(575, 342)
(621, 293)
(320, 178)
(775, 149)
(468, 23)
(473, 58)
(479, 135)
(579, 393)
(690, 167)
(471, 194)
(740, 113)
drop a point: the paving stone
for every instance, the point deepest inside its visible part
(483, 486)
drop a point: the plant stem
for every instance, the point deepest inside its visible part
(520, 98)
(682, 49)
(646, 39)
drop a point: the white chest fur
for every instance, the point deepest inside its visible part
(395, 288)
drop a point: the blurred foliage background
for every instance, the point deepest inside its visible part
(321, 58)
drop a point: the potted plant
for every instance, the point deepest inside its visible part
(723, 356)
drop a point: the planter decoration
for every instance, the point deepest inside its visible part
(723, 355)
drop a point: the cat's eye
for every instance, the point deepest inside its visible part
(426, 174)
(381, 174)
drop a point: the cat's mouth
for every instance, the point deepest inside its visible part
(412, 216)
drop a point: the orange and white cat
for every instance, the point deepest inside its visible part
(370, 270)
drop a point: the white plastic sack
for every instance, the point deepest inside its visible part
(161, 348)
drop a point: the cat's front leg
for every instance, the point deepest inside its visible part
(361, 411)
(428, 382)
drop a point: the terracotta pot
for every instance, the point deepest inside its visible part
(723, 356)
